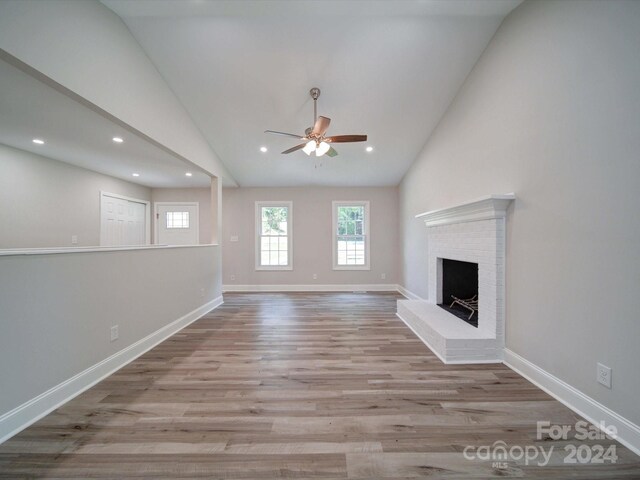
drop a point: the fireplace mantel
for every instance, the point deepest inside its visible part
(485, 208)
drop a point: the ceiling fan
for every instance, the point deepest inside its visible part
(314, 139)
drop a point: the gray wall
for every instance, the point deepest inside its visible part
(79, 297)
(550, 112)
(312, 235)
(44, 202)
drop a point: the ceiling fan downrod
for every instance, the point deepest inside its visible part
(315, 93)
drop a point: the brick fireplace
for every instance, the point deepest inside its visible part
(473, 232)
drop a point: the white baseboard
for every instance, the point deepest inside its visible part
(374, 287)
(24, 415)
(587, 407)
(409, 294)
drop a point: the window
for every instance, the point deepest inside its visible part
(177, 219)
(273, 236)
(351, 241)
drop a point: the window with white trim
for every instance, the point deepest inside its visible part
(351, 236)
(274, 235)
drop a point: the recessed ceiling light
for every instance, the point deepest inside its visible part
(118, 139)
(135, 174)
(38, 141)
(188, 174)
(263, 149)
(369, 148)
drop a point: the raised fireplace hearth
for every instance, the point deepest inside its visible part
(473, 235)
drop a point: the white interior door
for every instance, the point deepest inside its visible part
(123, 221)
(135, 230)
(177, 223)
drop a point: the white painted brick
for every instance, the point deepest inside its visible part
(482, 242)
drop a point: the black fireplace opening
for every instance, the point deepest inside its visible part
(460, 290)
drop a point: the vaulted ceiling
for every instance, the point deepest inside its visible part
(388, 69)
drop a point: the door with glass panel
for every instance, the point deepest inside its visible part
(177, 223)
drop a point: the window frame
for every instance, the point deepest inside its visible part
(166, 221)
(259, 205)
(366, 234)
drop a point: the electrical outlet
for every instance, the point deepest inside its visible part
(74, 239)
(603, 375)
(202, 292)
(383, 276)
(315, 276)
(114, 333)
(232, 277)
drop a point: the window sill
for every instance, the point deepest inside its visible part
(352, 267)
(274, 269)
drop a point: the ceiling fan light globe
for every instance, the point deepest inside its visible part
(322, 149)
(309, 147)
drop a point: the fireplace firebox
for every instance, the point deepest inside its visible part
(460, 290)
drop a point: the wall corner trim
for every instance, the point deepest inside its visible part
(587, 407)
(16, 420)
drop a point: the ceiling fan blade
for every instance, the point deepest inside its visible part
(332, 152)
(293, 149)
(346, 138)
(322, 123)
(284, 134)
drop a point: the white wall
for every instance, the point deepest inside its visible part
(312, 236)
(85, 47)
(200, 195)
(550, 112)
(60, 325)
(43, 202)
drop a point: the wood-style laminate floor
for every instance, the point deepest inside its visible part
(329, 385)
